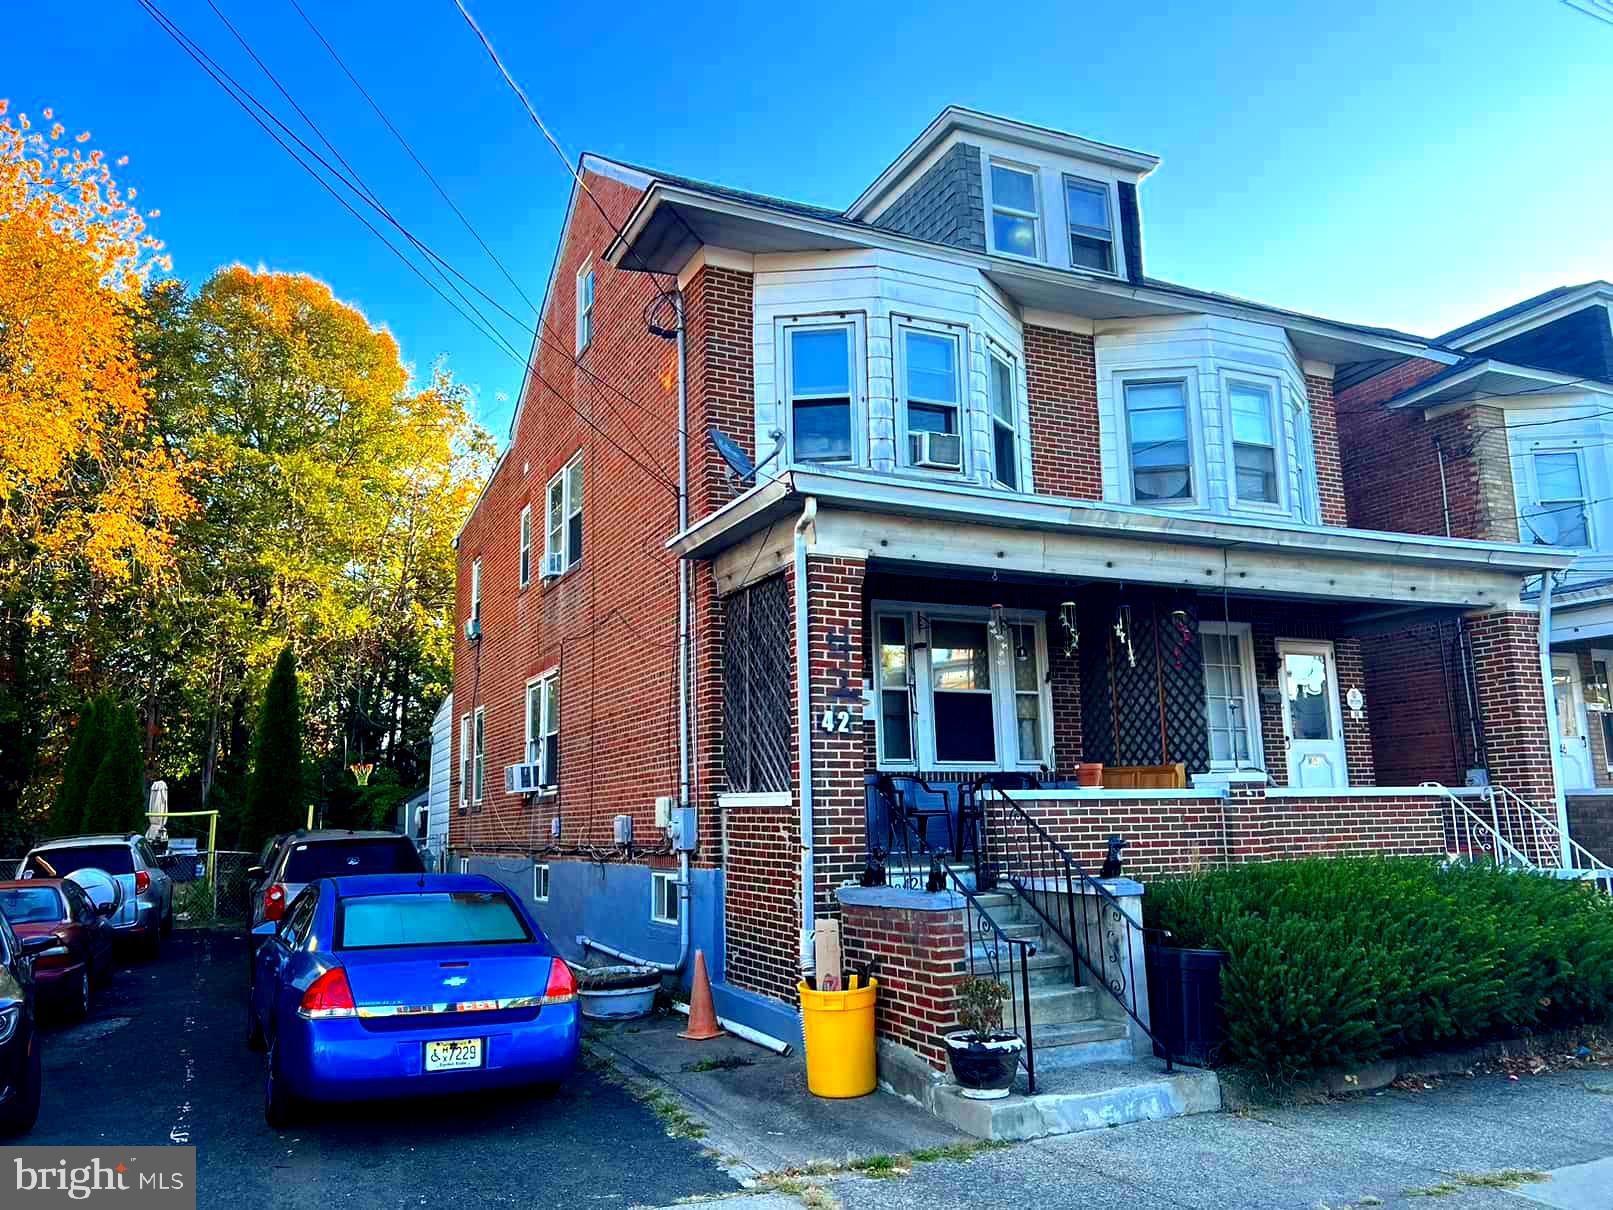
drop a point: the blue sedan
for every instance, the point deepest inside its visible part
(393, 985)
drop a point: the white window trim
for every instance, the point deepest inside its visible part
(1539, 506)
(534, 735)
(476, 590)
(900, 325)
(857, 323)
(1595, 716)
(478, 745)
(568, 509)
(464, 760)
(1308, 485)
(995, 351)
(524, 553)
(1002, 691)
(1038, 218)
(1111, 202)
(546, 886)
(659, 878)
(1188, 377)
(587, 295)
(1243, 633)
(1279, 452)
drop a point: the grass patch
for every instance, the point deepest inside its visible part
(728, 1063)
(880, 1166)
(677, 1120)
(1504, 1178)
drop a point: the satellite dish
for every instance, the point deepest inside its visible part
(739, 464)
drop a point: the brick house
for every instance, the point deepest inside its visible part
(1503, 437)
(1017, 508)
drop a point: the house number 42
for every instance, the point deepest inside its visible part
(835, 719)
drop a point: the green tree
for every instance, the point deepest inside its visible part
(116, 801)
(84, 756)
(274, 786)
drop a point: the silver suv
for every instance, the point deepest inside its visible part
(147, 911)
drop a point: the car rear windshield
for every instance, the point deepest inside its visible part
(59, 863)
(340, 858)
(30, 905)
(429, 918)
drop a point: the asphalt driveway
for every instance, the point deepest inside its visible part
(161, 1060)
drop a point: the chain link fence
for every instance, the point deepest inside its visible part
(9, 867)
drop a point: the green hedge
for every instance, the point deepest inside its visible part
(1344, 961)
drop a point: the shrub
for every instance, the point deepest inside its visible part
(116, 798)
(274, 787)
(1344, 961)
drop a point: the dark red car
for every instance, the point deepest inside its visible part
(65, 974)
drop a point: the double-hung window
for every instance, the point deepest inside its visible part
(585, 308)
(563, 532)
(955, 693)
(476, 591)
(1230, 699)
(1016, 220)
(1562, 516)
(821, 379)
(930, 390)
(1004, 444)
(1599, 701)
(1253, 423)
(479, 756)
(1092, 235)
(526, 546)
(543, 727)
(1157, 435)
(465, 769)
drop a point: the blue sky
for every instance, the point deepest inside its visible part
(1390, 163)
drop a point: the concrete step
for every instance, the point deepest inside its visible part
(1052, 1005)
(1047, 968)
(1064, 1034)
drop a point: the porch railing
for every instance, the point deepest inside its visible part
(1509, 831)
(1021, 853)
(988, 950)
(1539, 834)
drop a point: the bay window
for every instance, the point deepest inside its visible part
(1016, 220)
(1157, 434)
(930, 396)
(1561, 517)
(952, 693)
(820, 379)
(1004, 445)
(1092, 239)
(1253, 425)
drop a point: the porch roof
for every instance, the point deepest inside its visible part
(922, 522)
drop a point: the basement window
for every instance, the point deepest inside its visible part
(540, 883)
(664, 896)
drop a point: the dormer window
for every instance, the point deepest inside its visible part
(1015, 216)
(1092, 237)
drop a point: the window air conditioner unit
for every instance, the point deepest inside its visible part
(523, 779)
(473, 630)
(553, 564)
(941, 450)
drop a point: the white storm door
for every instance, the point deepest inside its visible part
(1573, 743)
(1311, 719)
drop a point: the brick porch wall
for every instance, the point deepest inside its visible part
(920, 961)
(1512, 704)
(1590, 822)
(835, 628)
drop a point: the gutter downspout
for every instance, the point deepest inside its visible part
(1553, 723)
(803, 727)
(1444, 491)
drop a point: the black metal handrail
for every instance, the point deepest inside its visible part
(1025, 856)
(986, 946)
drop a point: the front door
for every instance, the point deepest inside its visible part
(1311, 722)
(1573, 744)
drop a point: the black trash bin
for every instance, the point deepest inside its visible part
(1184, 1003)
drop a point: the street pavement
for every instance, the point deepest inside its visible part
(162, 1059)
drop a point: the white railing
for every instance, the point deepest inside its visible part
(1468, 834)
(1540, 833)
(1512, 832)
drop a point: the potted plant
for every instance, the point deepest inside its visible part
(984, 1055)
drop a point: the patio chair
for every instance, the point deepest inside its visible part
(919, 802)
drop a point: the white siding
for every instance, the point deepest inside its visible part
(1555, 423)
(441, 771)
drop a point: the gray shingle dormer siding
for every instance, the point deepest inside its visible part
(1580, 343)
(946, 204)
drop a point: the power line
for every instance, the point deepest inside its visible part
(232, 87)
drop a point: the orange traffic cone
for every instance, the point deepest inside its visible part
(702, 1012)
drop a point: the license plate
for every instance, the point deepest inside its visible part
(454, 1055)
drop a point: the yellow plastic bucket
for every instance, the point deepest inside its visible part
(839, 1031)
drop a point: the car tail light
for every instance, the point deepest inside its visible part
(562, 987)
(142, 882)
(274, 902)
(328, 996)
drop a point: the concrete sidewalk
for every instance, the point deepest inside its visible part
(1473, 1143)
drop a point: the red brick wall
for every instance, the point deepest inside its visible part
(1512, 704)
(835, 633)
(1062, 384)
(1414, 694)
(722, 379)
(1325, 439)
(1391, 462)
(1590, 822)
(762, 899)
(920, 957)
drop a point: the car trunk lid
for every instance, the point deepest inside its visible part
(403, 985)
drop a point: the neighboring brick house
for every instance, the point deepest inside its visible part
(1018, 508)
(1503, 438)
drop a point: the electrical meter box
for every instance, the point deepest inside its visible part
(685, 830)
